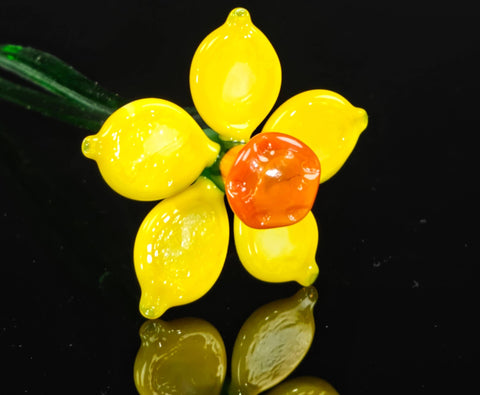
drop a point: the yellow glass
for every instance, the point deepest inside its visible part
(150, 149)
(181, 247)
(304, 386)
(280, 254)
(272, 342)
(325, 121)
(185, 356)
(235, 77)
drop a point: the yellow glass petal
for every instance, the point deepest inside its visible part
(280, 254)
(304, 386)
(185, 356)
(272, 342)
(150, 149)
(235, 77)
(181, 247)
(325, 121)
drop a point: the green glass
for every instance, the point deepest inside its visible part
(66, 94)
(51, 106)
(57, 77)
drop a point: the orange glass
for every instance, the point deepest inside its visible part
(273, 181)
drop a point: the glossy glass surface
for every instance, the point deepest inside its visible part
(150, 149)
(397, 252)
(235, 77)
(181, 247)
(273, 181)
(325, 121)
(272, 342)
(280, 254)
(184, 356)
(228, 160)
(304, 386)
(64, 94)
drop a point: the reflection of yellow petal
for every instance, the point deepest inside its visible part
(279, 254)
(323, 120)
(181, 247)
(185, 356)
(272, 342)
(235, 77)
(150, 149)
(304, 386)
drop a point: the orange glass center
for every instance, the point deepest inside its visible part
(273, 181)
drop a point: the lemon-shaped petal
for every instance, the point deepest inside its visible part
(150, 149)
(235, 77)
(305, 385)
(280, 254)
(325, 121)
(272, 342)
(181, 247)
(184, 356)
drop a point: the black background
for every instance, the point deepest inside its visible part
(396, 309)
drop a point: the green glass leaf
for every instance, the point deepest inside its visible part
(57, 77)
(51, 106)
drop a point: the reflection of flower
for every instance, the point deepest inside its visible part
(151, 149)
(188, 355)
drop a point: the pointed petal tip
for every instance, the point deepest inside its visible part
(150, 308)
(361, 119)
(89, 147)
(239, 15)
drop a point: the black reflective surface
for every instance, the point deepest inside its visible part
(396, 308)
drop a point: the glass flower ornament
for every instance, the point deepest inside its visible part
(151, 149)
